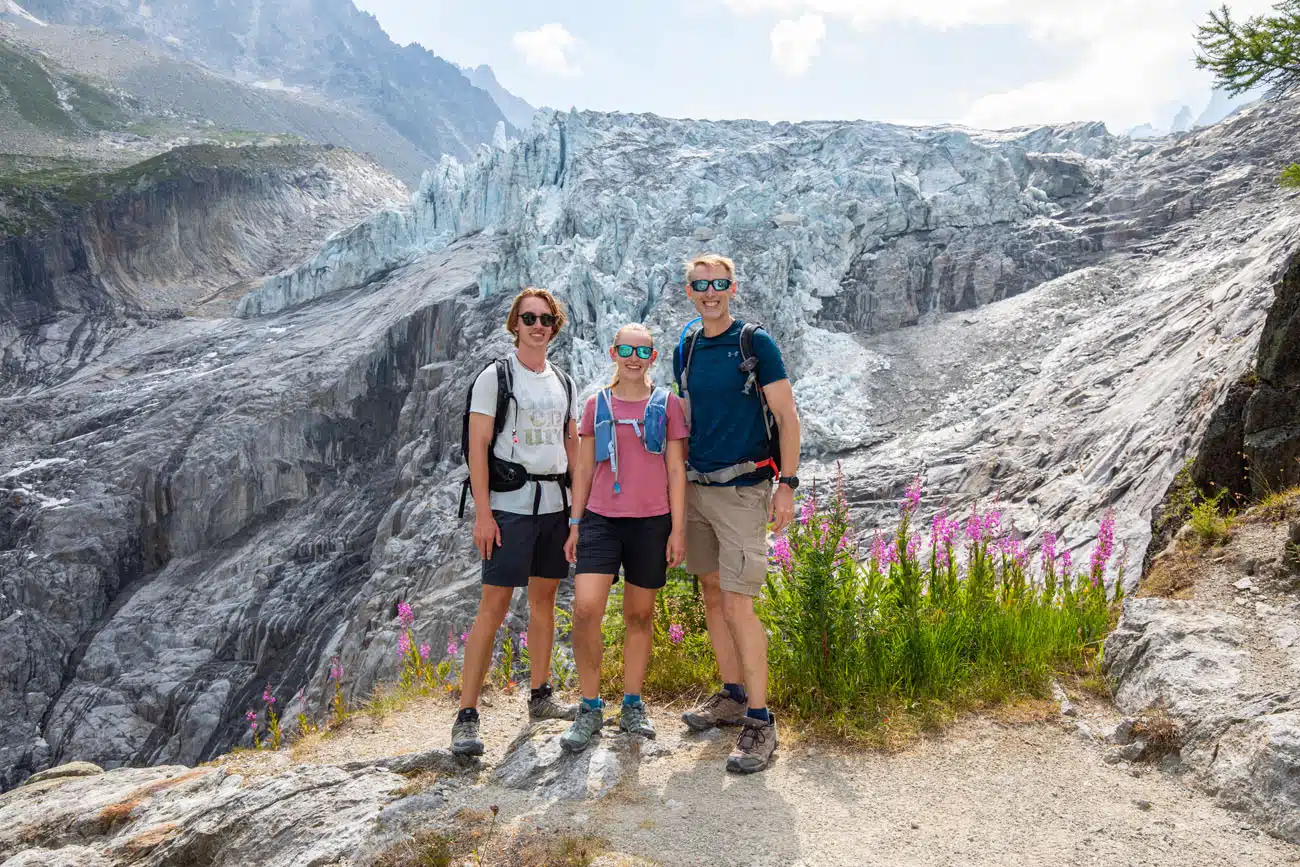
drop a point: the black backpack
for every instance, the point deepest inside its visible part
(506, 475)
(749, 366)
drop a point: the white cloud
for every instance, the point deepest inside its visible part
(796, 41)
(548, 49)
(1127, 58)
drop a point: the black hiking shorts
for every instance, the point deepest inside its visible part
(639, 545)
(532, 546)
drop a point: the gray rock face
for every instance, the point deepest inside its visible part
(1225, 667)
(536, 762)
(206, 506)
(177, 815)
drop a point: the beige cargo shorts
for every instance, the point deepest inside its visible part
(726, 532)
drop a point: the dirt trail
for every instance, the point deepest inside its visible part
(984, 793)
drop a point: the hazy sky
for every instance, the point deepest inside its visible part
(987, 63)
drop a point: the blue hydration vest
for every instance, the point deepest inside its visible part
(651, 429)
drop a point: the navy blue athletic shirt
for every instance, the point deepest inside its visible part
(727, 424)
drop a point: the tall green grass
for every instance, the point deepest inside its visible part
(925, 624)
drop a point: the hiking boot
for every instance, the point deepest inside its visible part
(464, 738)
(719, 709)
(634, 720)
(754, 749)
(544, 706)
(584, 728)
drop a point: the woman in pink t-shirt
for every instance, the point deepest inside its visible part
(632, 517)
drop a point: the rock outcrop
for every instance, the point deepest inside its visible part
(206, 507)
(1222, 662)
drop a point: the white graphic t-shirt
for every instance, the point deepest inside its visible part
(533, 434)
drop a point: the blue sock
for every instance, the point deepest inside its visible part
(758, 713)
(736, 691)
(630, 700)
(592, 704)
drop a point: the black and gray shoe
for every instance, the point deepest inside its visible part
(464, 735)
(542, 705)
(635, 720)
(584, 728)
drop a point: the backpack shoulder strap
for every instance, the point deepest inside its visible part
(505, 394)
(688, 354)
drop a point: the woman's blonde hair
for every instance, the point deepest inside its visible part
(640, 329)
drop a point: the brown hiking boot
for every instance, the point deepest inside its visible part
(754, 749)
(719, 709)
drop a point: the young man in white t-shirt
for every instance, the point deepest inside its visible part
(520, 533)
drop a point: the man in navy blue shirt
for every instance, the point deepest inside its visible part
(744, 434)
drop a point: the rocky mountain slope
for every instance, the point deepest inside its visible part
(203, 506)
(325, 46)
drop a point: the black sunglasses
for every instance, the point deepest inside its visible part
(722, 284)
(547, 319)
(625, 351)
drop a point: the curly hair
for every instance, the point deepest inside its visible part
(512, 320)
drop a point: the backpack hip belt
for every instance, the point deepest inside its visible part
(731, 473)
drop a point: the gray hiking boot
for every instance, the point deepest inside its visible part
(754, 749)
(719, 709)
(546, 707)
(584, 728)
(634, 720)
(464, 738)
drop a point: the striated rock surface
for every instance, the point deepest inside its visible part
(205, 507)
(1224, 664)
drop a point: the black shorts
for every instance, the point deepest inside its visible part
(532, 546)
(639, 545)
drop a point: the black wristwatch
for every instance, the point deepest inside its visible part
(792, 481)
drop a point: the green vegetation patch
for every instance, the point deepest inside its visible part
(32, 92)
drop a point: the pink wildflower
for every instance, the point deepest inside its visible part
(1067, 562)
(1048, 556)
(336, 669)
(878, 548)
(974, 527)
(913, 545)
(676, 633)
(405, 614)
(992, 524)
(806, 512)
(404, 644)
(523, 640)
(452, 648)
(464, 636)
(251, 715)
(424, 651)
(266, 695)
(781, 552)
(1105, 544)
(912, 498)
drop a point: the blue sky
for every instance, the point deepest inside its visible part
(987, 63)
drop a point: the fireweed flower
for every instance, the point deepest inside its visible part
(251, 716)
(452, 648)
(878, 548)
(1049, 549)
(523, 640)
(424, 651)
(405, 614)
(913, 545)
(336, 669)
(1067, 561)
(463, 636)
(266, 695)
(974, 527)
(781, 552)
(676, 633)
(912, 498)
(403, 644)
(992, 524)
(1105, 544)
(806, 512)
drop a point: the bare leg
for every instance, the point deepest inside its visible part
(541, 628)
(492, 609)
(590, 595)
(638, 619)
(751, 640)
(720, 634)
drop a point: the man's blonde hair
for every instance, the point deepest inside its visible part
(708, 260)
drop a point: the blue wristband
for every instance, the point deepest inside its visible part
(573, 522)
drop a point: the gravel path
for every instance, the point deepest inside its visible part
(984, 793)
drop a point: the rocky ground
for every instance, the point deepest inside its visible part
(1012, 789)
